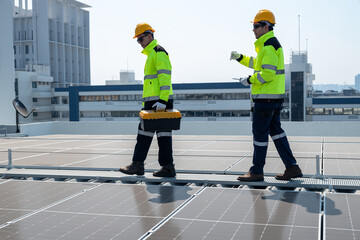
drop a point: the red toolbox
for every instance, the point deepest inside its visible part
(167, 120)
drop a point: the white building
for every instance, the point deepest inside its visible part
(299, 81)
(7, 73)
(53, 33)
(33, 89)
(357, 82)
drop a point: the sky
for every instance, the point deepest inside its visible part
(199, 36)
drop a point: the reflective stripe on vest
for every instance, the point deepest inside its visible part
(268, 96)
(153, 76)
(278, 72)
(259, 77)
(251, 62)
(270, 67)
(154, 98)
(165, 88)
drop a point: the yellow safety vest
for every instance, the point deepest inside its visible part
(268, 80)
(157, 74)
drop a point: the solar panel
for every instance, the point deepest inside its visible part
(54, 210)
(341, 159)
(245, 214)
(106, 211)
(342, 216)
(21, 197)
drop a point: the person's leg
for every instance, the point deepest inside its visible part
(262, 116)
(283, 147)
(165, 157)
(143, 142)
(280, 140)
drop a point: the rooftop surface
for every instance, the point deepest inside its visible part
(68, 187)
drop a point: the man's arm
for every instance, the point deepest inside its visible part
(163, 67)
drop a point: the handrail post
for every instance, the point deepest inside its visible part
(318, 174)
(10, 165)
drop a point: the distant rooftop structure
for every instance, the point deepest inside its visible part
(126, 77)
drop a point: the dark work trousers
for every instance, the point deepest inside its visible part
(144, 139)
(266, 120)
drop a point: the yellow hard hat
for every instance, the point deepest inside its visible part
(141, 28)
(264, 15)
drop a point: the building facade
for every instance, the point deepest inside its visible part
(53, 33)
(196, 101)
(299, 81)
(357, 82)
(7, 73)
(33, 89)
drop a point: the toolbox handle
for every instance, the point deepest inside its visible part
(160, 110)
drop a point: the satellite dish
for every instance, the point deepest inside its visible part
(21, 109)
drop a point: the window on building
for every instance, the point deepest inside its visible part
(99, 98)
(54, 100)
(14, 49)
(328, 111)
(319, 111)
(348, 111)
(34, 84)
(91, 98)
(35, 114)
(338, 111)
(16, 88)
(55, 114)
(115, 97)
(123, 97)
(34, 99)
(217, 96)
(357, 111)
(64, 100)
(26, 49)
(107, 98)
(199, 96)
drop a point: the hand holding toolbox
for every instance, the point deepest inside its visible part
(152, 120)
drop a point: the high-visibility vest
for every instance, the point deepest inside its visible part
(157, 74)
(268, 80)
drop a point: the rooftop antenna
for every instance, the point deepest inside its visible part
(299, 33)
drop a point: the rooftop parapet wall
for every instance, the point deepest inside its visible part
(336, 129)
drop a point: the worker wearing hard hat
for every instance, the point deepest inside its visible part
(158, 95)
(267, 93)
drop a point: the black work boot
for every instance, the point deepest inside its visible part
(292, 172)
(134, 168)
(166, 171)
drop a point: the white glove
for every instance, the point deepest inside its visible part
(244, 81)
(234, 55)
(159, 106)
